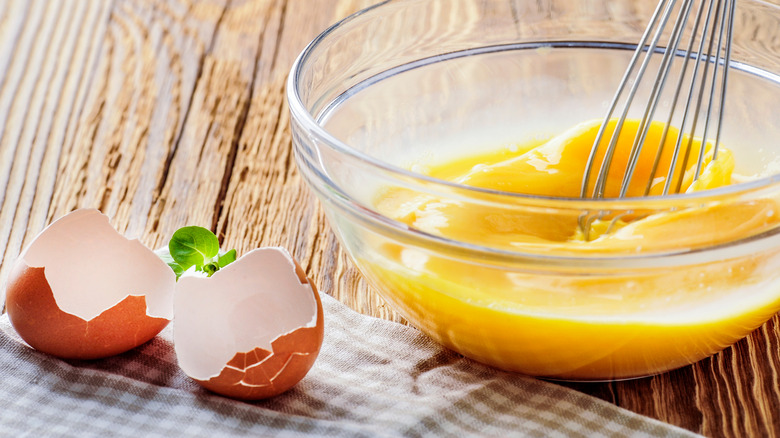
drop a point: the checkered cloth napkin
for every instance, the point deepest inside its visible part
(373, 378)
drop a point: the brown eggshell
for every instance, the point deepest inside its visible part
(82, 291)
(252, 330)
(36, 317)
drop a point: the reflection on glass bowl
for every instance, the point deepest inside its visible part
(390, 93)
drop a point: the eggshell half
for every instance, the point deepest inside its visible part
(83, 291)
(252, 330)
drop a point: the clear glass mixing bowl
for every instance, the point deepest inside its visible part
(383, 94)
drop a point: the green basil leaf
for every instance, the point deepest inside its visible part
(165, 254)
(177, 269)
(227, 258)
(210, 269)
(193, 246)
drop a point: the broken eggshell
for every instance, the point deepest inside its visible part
(250, 331)
(81, 290)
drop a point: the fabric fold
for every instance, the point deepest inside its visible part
(373, 378)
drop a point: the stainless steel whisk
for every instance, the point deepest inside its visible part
(709, 51)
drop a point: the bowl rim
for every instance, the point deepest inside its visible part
(312, 127)
(317, 133)
(491, 256)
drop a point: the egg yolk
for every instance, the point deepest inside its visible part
(573, 322)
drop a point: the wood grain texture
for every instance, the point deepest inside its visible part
(164, 113)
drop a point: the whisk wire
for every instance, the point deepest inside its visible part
(658, 86)
(721, 12)
(675, 99)
(724, 83)
(614, 103)
(717, 25)
(687, 112)
(601, 181)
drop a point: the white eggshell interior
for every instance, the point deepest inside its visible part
(245, 305)
(91, 267)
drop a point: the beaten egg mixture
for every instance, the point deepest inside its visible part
(570, 322)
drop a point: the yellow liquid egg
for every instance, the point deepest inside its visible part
(572, 323)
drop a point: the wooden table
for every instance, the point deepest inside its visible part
(171, 113)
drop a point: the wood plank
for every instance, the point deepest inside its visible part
(39, 95)
(169, 113)
(263, 200)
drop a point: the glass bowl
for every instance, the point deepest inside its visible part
(388, 92)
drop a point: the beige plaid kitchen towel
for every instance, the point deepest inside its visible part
(373, 378)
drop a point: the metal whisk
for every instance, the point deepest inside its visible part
(704, 57)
